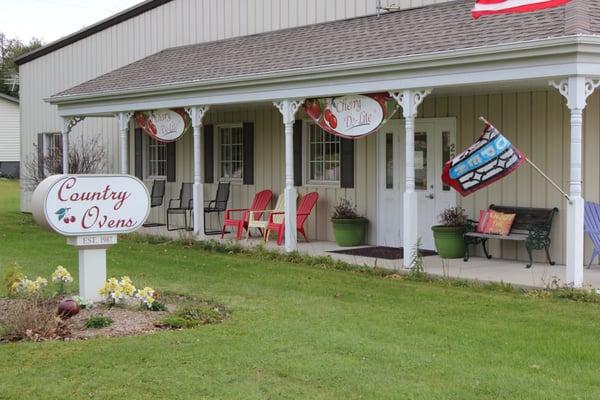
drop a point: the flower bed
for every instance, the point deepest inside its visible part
(36, 313)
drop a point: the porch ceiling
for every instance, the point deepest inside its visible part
(440, 47)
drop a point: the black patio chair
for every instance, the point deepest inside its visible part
(184, 205)
(218, 206)
(156, 199)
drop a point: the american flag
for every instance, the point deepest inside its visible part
(486, 7)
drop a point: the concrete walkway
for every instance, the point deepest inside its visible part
(477, 268)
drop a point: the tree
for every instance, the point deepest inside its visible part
(86, 156)
(11, 49)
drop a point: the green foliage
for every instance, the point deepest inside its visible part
(13, 273)
(97, 322)
(193, 315)
(157, 306)
(10, 49)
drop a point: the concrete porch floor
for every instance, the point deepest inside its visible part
(540, 275)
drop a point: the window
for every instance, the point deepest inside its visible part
(49, 153)
(157, 159)
(230, 163)
(323, 156)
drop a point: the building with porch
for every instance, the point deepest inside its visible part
(242, 70)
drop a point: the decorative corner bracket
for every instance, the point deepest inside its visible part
(410, 100)
(576, 90)
(70, 122)
(288, 108)
(123, 119)
(196, 114)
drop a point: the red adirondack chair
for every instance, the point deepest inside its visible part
(307, 203)
(260, 203)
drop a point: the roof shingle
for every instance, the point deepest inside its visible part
(429, 29)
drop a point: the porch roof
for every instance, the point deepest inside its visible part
(420, 31)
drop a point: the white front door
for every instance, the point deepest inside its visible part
(390, 182)
(435, 143)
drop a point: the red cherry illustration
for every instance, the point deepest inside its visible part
(314, 110)
(328, 115)
(66, 220)
(72, 218)
(333, 121)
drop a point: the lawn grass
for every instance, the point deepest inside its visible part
(297, 331)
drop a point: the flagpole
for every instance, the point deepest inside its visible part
(485, 121)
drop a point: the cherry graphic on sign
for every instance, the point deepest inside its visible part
(331, 119)
(314, 110)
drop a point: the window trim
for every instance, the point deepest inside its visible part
(217, 152)
(146, 164)
(306, 181)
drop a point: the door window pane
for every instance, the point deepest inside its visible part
(447, 153)
(389, 160)
(421, 160)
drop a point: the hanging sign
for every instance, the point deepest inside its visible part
(352, 116)
(490, 158)
(83, 205)
(164, 125)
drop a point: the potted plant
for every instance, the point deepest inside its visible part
(348, 227)
(449, 235)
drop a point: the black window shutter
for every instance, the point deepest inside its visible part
(248, 131)
(347, 163)
(58, 163)
(171, 162)
(298, 153)
(40, 155)
(208, 133)
(138, 139)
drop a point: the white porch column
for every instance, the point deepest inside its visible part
(576, 90)
(123, 120)
(410, 100)
(196, 114)
(67, 125)
(288, 109)
(65, 144)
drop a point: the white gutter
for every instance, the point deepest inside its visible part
(576, 44)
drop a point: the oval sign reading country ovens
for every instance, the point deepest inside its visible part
(81, 205)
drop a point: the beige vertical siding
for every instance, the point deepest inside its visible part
(538, 123)
(177, 23)
(9, 130)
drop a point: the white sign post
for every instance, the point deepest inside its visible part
(91, 210)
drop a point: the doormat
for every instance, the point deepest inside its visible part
(383, 252)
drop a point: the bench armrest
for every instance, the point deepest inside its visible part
(234, 210)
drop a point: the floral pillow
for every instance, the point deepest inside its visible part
(484, 216)
(499, 223)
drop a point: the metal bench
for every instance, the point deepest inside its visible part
(531, 225)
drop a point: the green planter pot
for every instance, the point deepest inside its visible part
(449, 241)
(349, 232)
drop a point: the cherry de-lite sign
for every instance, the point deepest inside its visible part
(91, 210)
(164, 125)
(352, 116)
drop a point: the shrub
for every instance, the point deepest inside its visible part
(453, 216)
(195, 315)
(97, 322)
(34, 319)
(344, 210)
(12, 275)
